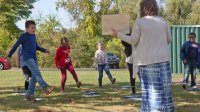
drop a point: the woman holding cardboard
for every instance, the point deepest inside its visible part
(151, 36)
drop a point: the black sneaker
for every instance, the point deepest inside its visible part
(184, 86)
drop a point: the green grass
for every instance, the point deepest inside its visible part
(72, 101)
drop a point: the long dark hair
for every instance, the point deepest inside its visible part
(148, 7)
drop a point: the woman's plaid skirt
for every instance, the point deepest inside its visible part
(156, 88)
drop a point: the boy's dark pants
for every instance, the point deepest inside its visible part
(189, 69)
(27, 75)
(132, 80)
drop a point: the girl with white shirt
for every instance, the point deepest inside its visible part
(151, 36)
(101, 60)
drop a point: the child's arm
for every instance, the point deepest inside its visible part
(95, 57)
(41, 49)
(69, 57)
(56, 59)
(182, 52)
(15, 46)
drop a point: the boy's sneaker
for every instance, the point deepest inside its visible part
(113, 81)
(194, 87)
(184, 86)
(79, 84)
(31, 98)
(49, 90)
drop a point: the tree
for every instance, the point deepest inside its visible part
(87, 15)
(130, 7)
(194, 16)
(182, 12)
(49, 33)
(12, 11)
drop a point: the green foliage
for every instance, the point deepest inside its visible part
(182, 12)
(49, 33)
(130, 7)
(16, 9)
(10, 12)
(194, 16)
(87, 16)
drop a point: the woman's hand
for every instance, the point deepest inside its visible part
(114, 32)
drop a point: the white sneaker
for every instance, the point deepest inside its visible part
(194, 87)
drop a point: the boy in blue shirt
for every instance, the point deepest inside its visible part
(189, 56)
(29, 47)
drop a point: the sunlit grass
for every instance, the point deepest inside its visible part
(110, 99)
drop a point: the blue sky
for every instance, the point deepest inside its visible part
(48, 7)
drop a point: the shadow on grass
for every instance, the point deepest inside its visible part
(185, 101)
(110, 95)
(188, 108)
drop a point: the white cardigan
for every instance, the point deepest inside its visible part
(151, 36)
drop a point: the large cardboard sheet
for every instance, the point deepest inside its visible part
(120, 22)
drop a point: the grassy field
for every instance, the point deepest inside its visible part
(110, 99)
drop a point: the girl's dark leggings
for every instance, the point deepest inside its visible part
(132, 80)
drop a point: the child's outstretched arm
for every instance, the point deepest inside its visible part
(15, 46)
(41, 49)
